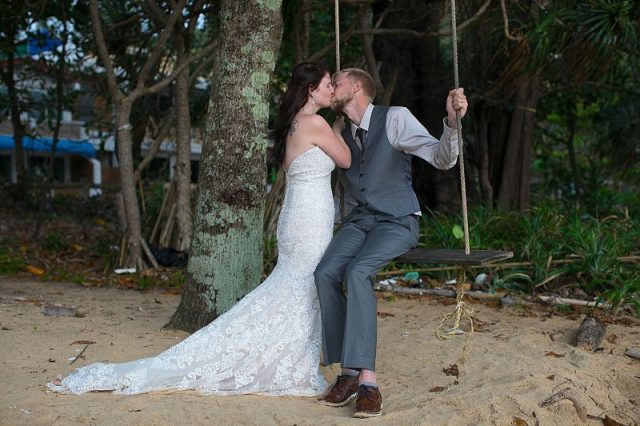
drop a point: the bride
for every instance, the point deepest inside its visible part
(269, 342)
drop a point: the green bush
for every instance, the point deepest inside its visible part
(54, 243)
(556, 247)
(11, 259)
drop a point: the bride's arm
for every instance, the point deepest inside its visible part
(331, 141)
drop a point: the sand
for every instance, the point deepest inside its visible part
(518, 357)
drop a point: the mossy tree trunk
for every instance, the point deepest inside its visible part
(226, 252)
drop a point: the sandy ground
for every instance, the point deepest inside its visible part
(518, 358)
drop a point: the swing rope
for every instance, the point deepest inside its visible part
(462, 310)
(336, 21)
(337, 25)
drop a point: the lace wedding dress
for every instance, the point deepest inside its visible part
(269, 342)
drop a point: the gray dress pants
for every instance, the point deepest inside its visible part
(360, 249)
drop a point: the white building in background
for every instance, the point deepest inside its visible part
(83, 160)
(75, 159)
(84, 157)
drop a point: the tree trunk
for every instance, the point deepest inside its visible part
(300, 32)
(128, 187)
(183, 142)
(515, 185)
(226, 252)
(486, 189)
(9, 79)
(60, 73)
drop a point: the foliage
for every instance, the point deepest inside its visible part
(170, 279)
(600, 129)
(11, 258)
(558, 248)
(54, 242)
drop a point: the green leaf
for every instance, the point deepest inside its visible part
(457, 232)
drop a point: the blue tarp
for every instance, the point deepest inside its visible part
(42, 42)
(67, 146)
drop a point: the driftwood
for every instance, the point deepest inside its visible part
(80, 355)
(590, 333)
(506, 300)
(571, 395)
(501, 265)
(435, 292)
(575, 302)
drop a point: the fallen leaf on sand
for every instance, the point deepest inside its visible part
(517, 421)
(385, 314)
(34, 270)
(452, 370)
(608, 421)
(438, 389)
(553, 354)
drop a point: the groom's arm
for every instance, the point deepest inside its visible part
(407, 134)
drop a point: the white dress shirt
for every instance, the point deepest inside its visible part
(407, 134)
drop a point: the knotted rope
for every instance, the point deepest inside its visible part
(462, 310)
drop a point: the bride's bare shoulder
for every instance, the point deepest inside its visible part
(311, 121)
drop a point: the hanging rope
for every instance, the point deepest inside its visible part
(462, 309)
(456, 82)
(337, 26)
(337, 31)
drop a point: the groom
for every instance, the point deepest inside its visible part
(382, 225)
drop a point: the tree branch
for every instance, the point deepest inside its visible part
(505, 19)
(193, 15)
(198, 70)
(155, 146)
(163, 83)
(344, 37)
(369, 55)
(155, 12)
(157, 50)
(351, 31)
(103, 52)
(123, 23)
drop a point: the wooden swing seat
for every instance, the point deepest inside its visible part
(454, 257)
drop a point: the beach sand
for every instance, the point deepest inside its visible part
(518, 357)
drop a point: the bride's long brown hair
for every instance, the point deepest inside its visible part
(305, 76)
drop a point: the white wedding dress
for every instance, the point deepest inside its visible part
(269, 342)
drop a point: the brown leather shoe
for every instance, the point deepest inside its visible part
(343, 390)
(368, 402)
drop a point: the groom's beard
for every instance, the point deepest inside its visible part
(338, 104)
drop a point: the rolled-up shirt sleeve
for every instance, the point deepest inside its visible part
(408, 135)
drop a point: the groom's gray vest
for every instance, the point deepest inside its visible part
(380, 176)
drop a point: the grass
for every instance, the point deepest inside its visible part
(12, 260)
(557, 248)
